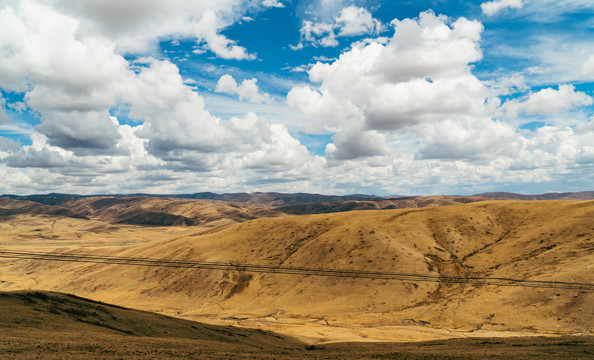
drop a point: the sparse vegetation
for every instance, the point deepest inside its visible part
(547, 240)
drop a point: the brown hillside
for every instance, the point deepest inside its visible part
(50, 325)
(10, 207)
(139, 211)
(548, 240)
(582, 195)
(163, 212)
(33, 314)
(383, 204)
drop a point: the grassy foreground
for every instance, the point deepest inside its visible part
(50, 325)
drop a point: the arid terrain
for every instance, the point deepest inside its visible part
(471, 239)
(50, 325)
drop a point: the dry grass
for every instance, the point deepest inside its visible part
(548, 240)
(56, 326)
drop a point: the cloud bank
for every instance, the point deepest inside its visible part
(400, 109)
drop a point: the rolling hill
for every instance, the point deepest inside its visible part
(164, 212)
(275, 199)
(257, 199)
(144, 211)
(194, 209)
(10, 207)
(541, 241)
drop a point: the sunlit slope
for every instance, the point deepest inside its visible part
(547, 240)
(112, 221)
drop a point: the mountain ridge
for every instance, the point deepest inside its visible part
(275, 199)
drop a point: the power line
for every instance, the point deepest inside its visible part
(288, 270)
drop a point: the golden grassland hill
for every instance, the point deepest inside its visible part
(159, 211)
(164, 212)
(218, 209)
(51, 325)
(107, 221)
(296, 203)
(546, 240)
(57, 233)
(145, 211)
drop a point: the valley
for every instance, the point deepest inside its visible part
(542, 241)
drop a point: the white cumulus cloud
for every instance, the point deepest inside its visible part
(472, 139)
(137, 25)
(491, 8)
(248, 90)
(273, 3)
(357, 21)
(549, 101)
(66, 59)
(317, 34)
(352, 21)
(69, 80)
(206, 30)
(421, 75)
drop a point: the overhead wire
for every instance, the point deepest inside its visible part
(292, 270)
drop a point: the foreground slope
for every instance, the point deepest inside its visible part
(30, 311)
(49, 325)
(547, 240)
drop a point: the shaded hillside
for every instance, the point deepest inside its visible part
(266, 199)
(157, 219)
(156, 211)
(46, 199)
(164, 212)
(273, 199)
(584, 195)
(10, 207)
(547, 241)
(161, 210)
(138, 210)
(384, 204)
(56, 312)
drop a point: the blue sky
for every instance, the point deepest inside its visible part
(327, 96)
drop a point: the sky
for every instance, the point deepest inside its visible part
(321, 96)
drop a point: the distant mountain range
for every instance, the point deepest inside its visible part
(275, 199)
(252, 199)
(582, 195)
